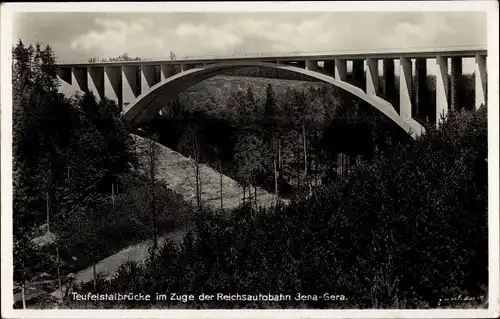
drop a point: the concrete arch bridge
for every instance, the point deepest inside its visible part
(138, 86)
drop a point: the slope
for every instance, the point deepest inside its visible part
(176, 171)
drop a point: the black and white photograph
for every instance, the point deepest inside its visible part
(306, 156)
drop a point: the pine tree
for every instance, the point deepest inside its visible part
(269, 115)
(48, 68)
(61, 150)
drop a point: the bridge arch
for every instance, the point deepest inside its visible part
(145, 107)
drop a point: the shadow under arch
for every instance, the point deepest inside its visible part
(146, 106)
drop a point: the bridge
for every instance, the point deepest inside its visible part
(141, 87)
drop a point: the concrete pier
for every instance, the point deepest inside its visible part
(405, 77)
(112, 84)
(311, 65)
(147, 77)
(167, 70)
(441, 88)
(371, 76)
(65, 81)
(95, 81)
(130, 87)
(480, 80)
(79, 79)
(340, 69)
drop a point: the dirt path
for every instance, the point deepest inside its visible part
(109, 266)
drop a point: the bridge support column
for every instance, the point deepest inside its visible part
(311, 65)
(167, 70)
(405, 77)
(388, 78)
(358, 71)
(456, 82)
(340, 69)
(64, 77)
(95, 81)
(372, 76)
(130, 87)
(112, 84)
(441, 88)
(79, 79)
(421, 109)
(147, 77)
(480, 79)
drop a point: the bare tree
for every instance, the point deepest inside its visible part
(275, 182)
(151, 152)
(52, 204)
(190, 145)
(249, 150)
(221, 187)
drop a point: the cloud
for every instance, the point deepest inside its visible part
(154, 35)
(115, 37)
(208, 36)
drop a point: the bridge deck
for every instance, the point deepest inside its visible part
(463, 52)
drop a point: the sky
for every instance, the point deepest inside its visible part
(77, 36)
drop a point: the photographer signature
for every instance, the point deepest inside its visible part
(460, 298)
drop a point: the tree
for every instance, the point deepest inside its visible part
(48, 70)
(63, 147)
(411, 217)
(250, 96)
(269, 115)
(272, 132)
(249, 155)
(28, 260)
(123, 57)
(21, 72)
(151, 153)
(191, 145)
(238, 102)
(40, 137)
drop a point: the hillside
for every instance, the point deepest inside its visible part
(219, 88)
(176, 171)
(223, 85)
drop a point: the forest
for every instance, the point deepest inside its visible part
(372, 214)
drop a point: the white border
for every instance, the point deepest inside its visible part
(7, 10)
